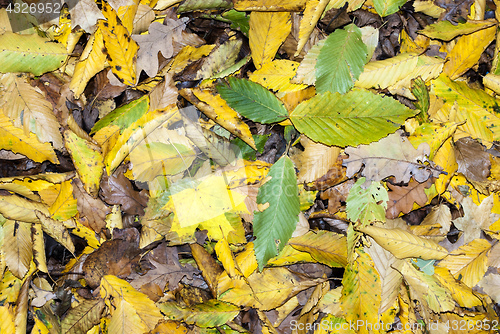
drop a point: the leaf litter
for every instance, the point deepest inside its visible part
(266, 166)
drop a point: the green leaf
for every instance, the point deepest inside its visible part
(247, 152)
(358, 117)
(278, 221)
(124, 115)
(387, 7)
(341, 60)
(253, 101)
(212, 313)
(419, 89)
(366, 203)
(239, 20)
(192, 5)
(30, 53)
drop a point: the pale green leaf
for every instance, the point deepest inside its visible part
(277, 222)
(212, 313)
(341, 60)
(367, 203)
(358, 117)
(387, 7)
(30, 53)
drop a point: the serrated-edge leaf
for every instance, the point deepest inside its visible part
(325, 247)
(361, 290)
(358, 117)
(403, 244)
(121, 49)
(13, 139)
(30, 53)
(467, 51)
(276, 75)
(341, 60)
(92, 61)
(446, 31)
(387, 7)
(83, 317)
(17, 247)
(253, 101)
(367, 204)
(87, 159)
(313, 11)
(306, 73)
(125, 115)
(469, 262)
(211, 313)
(277, 222)
(381, 74)
(268, 30)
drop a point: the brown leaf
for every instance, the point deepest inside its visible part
(167, 270)
(117, 189)
(209, 268)
(92, 211)
(336, 195)
(113, 257)
(401, 199)
(473, 162)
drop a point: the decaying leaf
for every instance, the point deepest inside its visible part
(390, 156)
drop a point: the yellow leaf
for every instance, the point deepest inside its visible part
(467, 51)
(17, 208)
(18, 247)
(269, 5)
(107, 137)
(126, 14)
(216, 108)
(210, 196)
(381, 74)
(361, 291)
(64, 207)
(276, 75)
(445, 158)
(132, 311)
(427, 68)
(290, 255)
(39, 248)
(13, 139)
(186, 56)
(168, 156)
(426, 289)
(268, 30)
(464, 104)
(57, 230)
(120, 47)
(325, 247)
(468, 263)
(390, 279)
(352, 5)
(315, 160)
(435, 134)
(313, 11)
(419, 45)
(267, 289)
(464, 295)
(137, 132)
(403, 244)
(87, 159)
(27, 107)
(226, 257)
(7, 319)
(92, 61)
